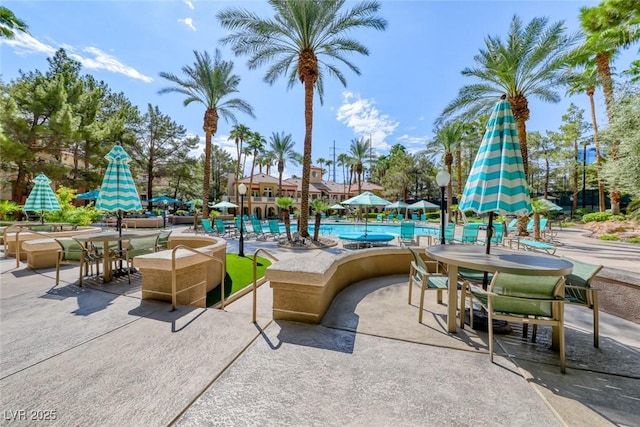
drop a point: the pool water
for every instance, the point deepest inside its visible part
(341, 228)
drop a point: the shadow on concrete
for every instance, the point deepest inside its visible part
(179, 318)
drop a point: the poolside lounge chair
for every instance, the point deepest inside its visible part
(469, 234)
(498, 232)
(257, 230)
(536, 300)
(221, 230)
(407, 233)
(449, 232)
(419, 275)
(206, 226)
(274, 228)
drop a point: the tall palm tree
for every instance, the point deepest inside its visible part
(239, 134)
(586, 82)
(531, 62)
(343, 160)
(444, 143)
(321, 161)
(359, 151)
(305, 39)
(610, 26)
(209, 82)
(329, 163)
(256, 143)
(281, 146)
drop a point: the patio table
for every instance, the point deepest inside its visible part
(502, 260)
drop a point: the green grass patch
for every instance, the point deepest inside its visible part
(239, 275)
(609, 237)
(633, 240)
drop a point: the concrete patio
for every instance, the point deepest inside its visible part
(99, 355)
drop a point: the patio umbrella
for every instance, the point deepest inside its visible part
(548, 205)
(366, 199)
(89, 195)
(424, 205)
(397, 205)
(337, 206)
(224, 205)
(118, 192)
(497, 182)
(163, 199)
(42, 198)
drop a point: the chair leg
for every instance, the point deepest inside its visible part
(562, 348)
(422, 289)
(463, 297)
(596, 320)
(490, 329)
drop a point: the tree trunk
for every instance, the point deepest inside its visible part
(536, 225)
(316, 230)
(306, 158)
(287, 224)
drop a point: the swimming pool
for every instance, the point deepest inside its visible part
(342, 228)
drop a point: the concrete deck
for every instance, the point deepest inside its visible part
(99, 355)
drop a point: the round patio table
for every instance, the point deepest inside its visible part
(502, 260)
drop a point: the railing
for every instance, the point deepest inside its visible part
(174, 293)
(255, 280)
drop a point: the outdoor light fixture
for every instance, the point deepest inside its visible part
(164, 219)
(242, 190)
(442, 179)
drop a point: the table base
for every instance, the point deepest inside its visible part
(481, 320)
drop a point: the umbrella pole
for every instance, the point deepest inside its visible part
(485, 278)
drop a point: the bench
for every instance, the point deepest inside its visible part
(536, 245)
(303, 292)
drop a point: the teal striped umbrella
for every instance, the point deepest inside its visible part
(118, 192)
(497, 182)
(42, 198)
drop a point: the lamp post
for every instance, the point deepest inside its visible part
(442, 179)
(164, 217)
(242, 190)
(571, 208)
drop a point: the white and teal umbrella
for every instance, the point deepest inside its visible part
(497, 182)
(42, 198)
(223, 205)
(118, 192)
(366, 199)
(424, 205)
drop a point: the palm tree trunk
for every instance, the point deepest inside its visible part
(250, 192)
(306, 158)
(594, 124)
(207, 175)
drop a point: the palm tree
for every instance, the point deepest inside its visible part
(211, 83)
(239, 134)
(359, 151)
(285, 203)
(321, 161)
(329, 163)
(9, 22)
(445, 142)
(318, 206)
(530, 63)
(609, 27)
(281, 146)
(306, 39)
(586, 82)
(343, 160)
(256, 144)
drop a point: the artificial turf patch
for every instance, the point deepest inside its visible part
(239, 275)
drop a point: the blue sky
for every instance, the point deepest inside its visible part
(411, 73)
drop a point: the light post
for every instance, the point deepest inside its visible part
(571, 208)
(164, 217)
(242, 190)
(442, 179)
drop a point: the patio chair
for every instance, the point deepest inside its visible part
(163, 240)
(537, 300)
(221, 230)
(449, 232)
(407, 233)
(206, 226)
(419, 275)
(242, 223)
(73, 252)
(496, 237)
(469, 234)
(257, 230)
(578, 291)
(423, 217)
(274, 228)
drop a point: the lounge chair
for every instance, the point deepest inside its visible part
(257, 230)
(536, 300)
(274, 229)
(532, 245)
(496, 237)
(469, 234)
(221, 230)
(206, 226)
(449, 233)
(407, 233)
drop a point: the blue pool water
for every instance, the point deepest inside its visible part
(341, 228)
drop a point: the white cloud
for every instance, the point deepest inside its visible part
(25, 44)
(413, 143)
(189, 4)
(188, 22)
(365, 120)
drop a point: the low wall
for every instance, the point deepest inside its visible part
(303, 292)
(180, 219)
(191, 269)
(15, 239)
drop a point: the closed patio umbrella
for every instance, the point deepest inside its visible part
(497, 182)
(42, 198)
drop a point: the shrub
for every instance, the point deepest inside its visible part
(583, 211)
(597, 217)
(633, 240)
(609, 237)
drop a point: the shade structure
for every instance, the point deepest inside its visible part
(366, 199)
(118, 192)
(337, 206)
(397, 205)
(42, 198)
(89, 195)
(497, 182)
(548, 205)
(424, 205)
(224, 205)
(163, 199)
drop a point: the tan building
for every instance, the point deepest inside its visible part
(264, 192)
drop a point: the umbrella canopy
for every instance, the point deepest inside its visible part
(366, 199)
(497, 182)
(89, 195)
(424, 205)
(118, 192)
(163, 199)
(548, 205)
(224, 205)
(397, 205)
(42, 198)
(337, 206)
